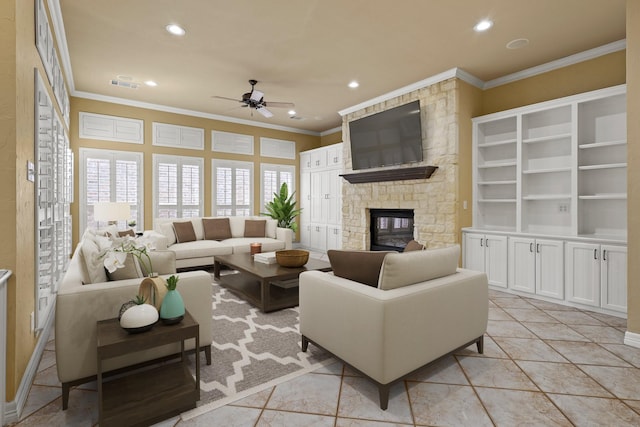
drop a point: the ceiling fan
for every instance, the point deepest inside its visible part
(255, 100)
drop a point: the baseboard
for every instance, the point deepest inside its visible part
(13, 409)
(632, 339)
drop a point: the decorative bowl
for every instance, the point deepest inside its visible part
(292, 258)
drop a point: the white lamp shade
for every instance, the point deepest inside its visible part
(111, 211)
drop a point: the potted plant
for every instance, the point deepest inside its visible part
(283, 208)
(172, 308)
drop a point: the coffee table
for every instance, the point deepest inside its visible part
(269, 287)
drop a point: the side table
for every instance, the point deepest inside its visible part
(144, 397)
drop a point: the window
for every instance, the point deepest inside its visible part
(272, 177)
(178, 190)
(110, 176)
(232, 184)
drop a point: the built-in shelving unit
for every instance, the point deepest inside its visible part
(551, 178)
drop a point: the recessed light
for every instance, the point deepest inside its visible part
(483, 25)
(517, 43)
(292, 112)
(353, 84)
(176, 30)
(151, 83)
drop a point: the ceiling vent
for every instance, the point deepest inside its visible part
(122, 83)
(296, 118)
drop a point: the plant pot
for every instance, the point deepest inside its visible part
(139, 318)
(172, 309)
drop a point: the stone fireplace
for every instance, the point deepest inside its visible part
(391, 229)
(434, 201)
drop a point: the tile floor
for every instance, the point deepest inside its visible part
(544, 364)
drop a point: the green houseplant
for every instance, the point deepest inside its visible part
(283, 208)
(172, 308)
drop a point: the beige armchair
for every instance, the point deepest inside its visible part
(388, 334)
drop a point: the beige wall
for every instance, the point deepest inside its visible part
(332, 138)
(303, 142)
(469, 106)
(633, 165)
(598, 73)
(18, 58)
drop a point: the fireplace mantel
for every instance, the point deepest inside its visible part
(399, 174)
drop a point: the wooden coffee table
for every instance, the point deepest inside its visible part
(267, 286)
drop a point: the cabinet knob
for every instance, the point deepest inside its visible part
(481, 239)
(531, 247)
(604, 254)
(595, 254)
(538, 247)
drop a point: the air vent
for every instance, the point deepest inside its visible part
(128, 85)
(296, 118)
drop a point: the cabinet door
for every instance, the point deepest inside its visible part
(318, 237)
(305, 161)
(334, 197)
(496, 260)
(334, 237)
(305, 235)
(614, 278)
(317, 197)
(582, 273)
(522, 264)
(474, 251)
(318, 159)
(334, 155)
(305, 197)
(549, 268)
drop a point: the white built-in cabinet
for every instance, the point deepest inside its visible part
(321, 198)
(486, 252)
(536, 266)
(551, 178)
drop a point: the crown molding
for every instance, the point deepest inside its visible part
(402, 91)
(330, 131)
(192, 113)
(61, 41)
(559, 63)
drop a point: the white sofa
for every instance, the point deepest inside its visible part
(201, 251)
(80, 304)
(423, 308)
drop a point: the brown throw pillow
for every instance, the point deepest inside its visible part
(216, 228)
(413, 246)
(184, 231)
(255, 228)
(128, 232)
(359, 266)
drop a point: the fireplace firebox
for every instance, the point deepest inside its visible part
(391, 229)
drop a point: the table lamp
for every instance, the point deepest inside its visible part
(112, 212)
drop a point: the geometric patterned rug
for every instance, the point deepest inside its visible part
(251, 351)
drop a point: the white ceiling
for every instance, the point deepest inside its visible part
(306, 51)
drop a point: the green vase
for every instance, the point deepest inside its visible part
(172, 308)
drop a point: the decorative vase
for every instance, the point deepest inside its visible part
(139, 318)
(172, 309)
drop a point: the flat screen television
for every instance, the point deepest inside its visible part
(391, 137)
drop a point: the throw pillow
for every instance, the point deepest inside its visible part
(413, 246)
(128, 232)
(166, 228)
(184, 231)
(93, 262)
(359, 266)
(131, 270)
(255, 228)
(405, 269)
(216, 228)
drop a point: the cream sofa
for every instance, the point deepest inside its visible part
(201, 251)
(79, 306)
(423, 308)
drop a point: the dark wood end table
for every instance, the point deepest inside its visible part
(144, 397)
(269, 287)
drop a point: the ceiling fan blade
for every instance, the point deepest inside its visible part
(280, 104)
(264, 112)
(228, 99)
(256, 95)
